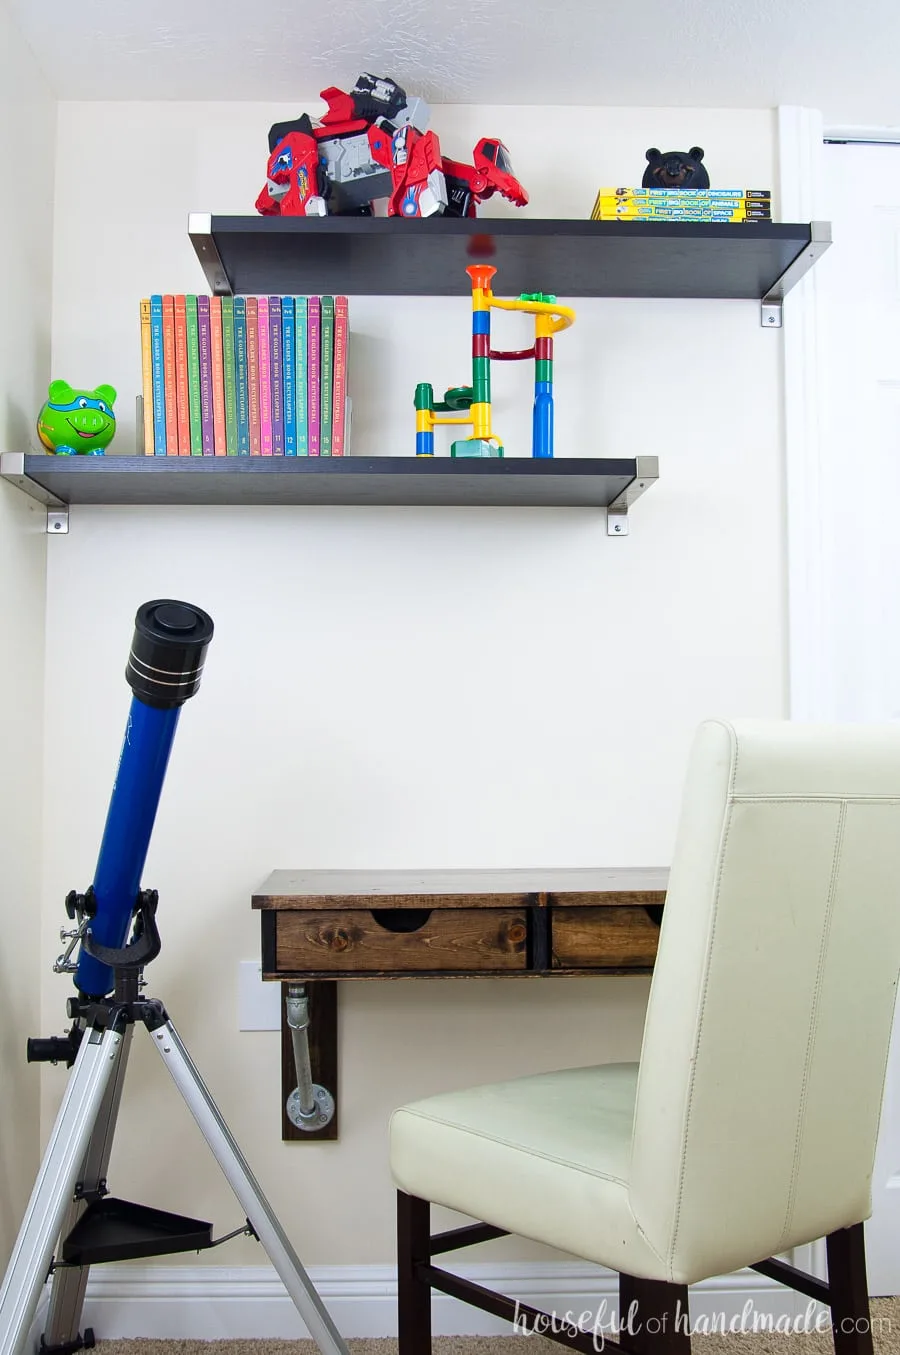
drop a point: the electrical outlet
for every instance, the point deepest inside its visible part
(259, 1003)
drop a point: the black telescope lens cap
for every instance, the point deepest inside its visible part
(173, 617)
(169, 622)
(167, 652)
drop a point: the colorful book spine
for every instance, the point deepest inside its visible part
(341, 356)
(679, 214)
(193, 362)
(253, 373)
(159, 388)
(289, 375)
(301, 344)
(326, 368)
(242, 404)
(698, 204)
(688, 194)
(313, 335)
(276, 376)
(265, 377)
(169, 375)
(218, 381)
(228, 372)
(182, 399)
(147, 376)
(206, 392)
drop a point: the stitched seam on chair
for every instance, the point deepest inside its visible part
(726, 829)
(663, 1260)
(519, 1148)
(817, 799)
(813, 1023)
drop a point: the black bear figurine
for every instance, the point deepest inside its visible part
(675, 169)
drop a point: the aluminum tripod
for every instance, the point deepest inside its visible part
(69, 1211)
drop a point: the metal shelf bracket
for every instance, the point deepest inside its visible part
(12, 469)
(772, 304)
(617, 512)
(201, 237)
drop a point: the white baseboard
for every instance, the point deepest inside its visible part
(219, 1302)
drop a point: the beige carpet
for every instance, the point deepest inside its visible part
(885, 1326)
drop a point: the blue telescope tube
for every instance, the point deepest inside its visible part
(129, 822)
(164, 669)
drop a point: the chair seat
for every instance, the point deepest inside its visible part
(544, 1157)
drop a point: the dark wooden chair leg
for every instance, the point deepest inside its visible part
(654, 1317)
(851, 1324)
(413, 1295)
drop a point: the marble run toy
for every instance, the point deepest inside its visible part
(549, 319)
(371, 146)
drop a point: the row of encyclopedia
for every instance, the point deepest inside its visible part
(244, 375)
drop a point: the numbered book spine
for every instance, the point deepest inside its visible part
(326, 363)
(253, 372)
(265, 377)
(228, 373)
(242, 402)
(206, 393)
(276, 375)
(288, 375)
(218, 375)
(159, 376)
(341, 354)
(147, 376)
(301, 344)
(182, 398)
(169, 377)
(313, 390)
(193, 361)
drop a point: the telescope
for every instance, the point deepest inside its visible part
(71, 1221)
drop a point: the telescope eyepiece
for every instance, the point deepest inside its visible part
(168, 652)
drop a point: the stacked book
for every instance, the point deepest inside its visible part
(245, 375)
(683, 204)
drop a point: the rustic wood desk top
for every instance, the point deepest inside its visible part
(323, 925)
(316, 889)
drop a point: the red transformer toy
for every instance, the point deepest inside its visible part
(372, 146)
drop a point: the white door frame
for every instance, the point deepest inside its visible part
(800, 151)
(811, 560)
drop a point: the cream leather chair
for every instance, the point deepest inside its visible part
(749, 1125)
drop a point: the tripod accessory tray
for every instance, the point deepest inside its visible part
(117, 1230)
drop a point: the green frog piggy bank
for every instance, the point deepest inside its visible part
(77, 422)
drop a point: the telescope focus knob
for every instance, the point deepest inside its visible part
(168, 651)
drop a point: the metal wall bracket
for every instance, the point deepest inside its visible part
(12, 469)
(617, 510)
(770, 311)
(201, 236)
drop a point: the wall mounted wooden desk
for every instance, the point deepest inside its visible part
(321, 926)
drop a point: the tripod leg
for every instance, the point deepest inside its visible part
(254, 1204)
(70, 1282)
(95, 1067)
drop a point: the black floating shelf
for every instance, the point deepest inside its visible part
(382, 480)
(378, 256)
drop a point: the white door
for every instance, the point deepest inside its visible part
(858, 294)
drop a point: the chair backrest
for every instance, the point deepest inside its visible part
(771, 1004)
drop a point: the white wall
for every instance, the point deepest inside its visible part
(27, 136)
(404, 688)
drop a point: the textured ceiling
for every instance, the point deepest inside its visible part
(827, 54)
